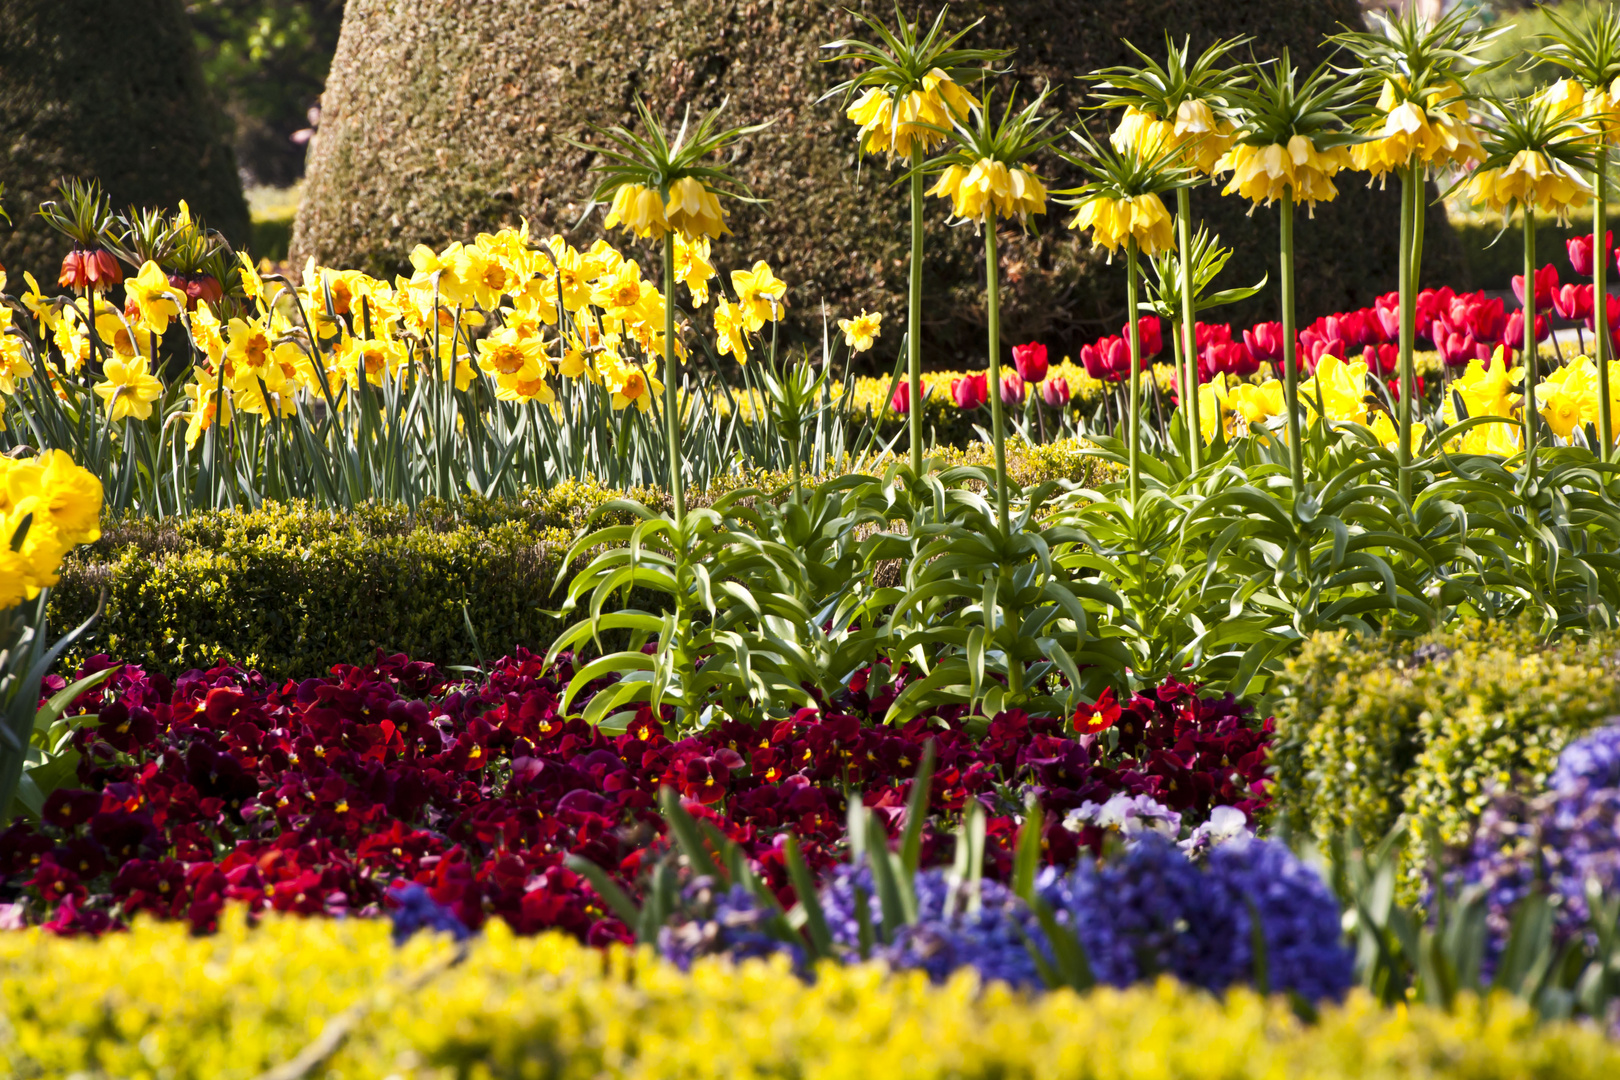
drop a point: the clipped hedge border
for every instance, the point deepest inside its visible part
(291, 590)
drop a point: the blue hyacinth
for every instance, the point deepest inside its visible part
(415, 909)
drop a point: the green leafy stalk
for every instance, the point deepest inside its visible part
(1403, 452)
(1189, 328)
(1135, 331)
(998, 432)
(672, 401)
(1296, 452)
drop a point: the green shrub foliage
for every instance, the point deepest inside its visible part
(1372, 729)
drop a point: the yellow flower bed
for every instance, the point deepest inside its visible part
(157, 1002)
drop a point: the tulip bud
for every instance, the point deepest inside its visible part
(1055, 392)
(1580, 252)
(1514, 335)
(901, 401)
(1012, 389)
(1573, 302)
(1546, 281)
(1031, 361)
(1150, 334)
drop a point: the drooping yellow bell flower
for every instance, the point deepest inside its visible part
(153, 296)
(862, 331)
(986, 185)
(1112, 221)
(639, 210)
(1262, 174)
(128, 388)
(1532, 179)
(693, 210)
(937, 103)
(1435, 133)
(1565, 99)
(1196, 132)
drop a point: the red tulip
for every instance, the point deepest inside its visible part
(1573, 302)
(1233, 358)
(1456, 349)
(1486, 317)
(1265, 341)
(1580, 252)
(1055, 391)
(1546, 282)
(1031, 361)
(1381, 359)
(901, 401)
(1150, 334)
(970, 392)
(1611, 311)
(1395, 386)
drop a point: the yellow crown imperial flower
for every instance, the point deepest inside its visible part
(1112, 221)
(1196, 133)
(1438, 134)
(638, 210)
(987, 184)
(894, 129)
(1262, 174)
(693, 210)
(1532, 179)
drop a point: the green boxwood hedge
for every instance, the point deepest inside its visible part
(292, 590)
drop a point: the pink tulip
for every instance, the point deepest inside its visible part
(1456, 349)
(1031, 361)
(1265, 341)
(1012, 389)
(1055, 391)
(1546, 281)
(1580, 252)
(970, 392)
(901, 401)
(1514, 334)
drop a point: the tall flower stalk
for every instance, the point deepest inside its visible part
(1122, 206)
(910, 97)
(1536, 156)
(1180, 108)
(986, 175)
(1590, 52)
(659, 189)
(1416, 120)
(1290, 146)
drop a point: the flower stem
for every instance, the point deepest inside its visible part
(992, 286)
(1189, 329)
(1600, 301)
(1403, 450)
(672, 407)
(914, 312)
(1136, 369)
(1529, 406)
(1296, 452)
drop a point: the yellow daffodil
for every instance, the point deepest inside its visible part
(248, 344)
(638, 210)
(1568, 397)
(1257, 404)
(205, 395)
(128, 389)
(152, 295)
(1342, 388)
(1113, 221)
(510, 355)
(760, 294)
(1383, 430)
(1484, 391)
(731, 330)
(519, 388)
(619, 293)
(1213, 414)
(861, 331)
(692, 267)
(630, 384)
(119, 336)
(375, 356)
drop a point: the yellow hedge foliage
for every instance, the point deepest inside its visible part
(160, 1003)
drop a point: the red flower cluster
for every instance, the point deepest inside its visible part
(317, 796)
(1109, 359)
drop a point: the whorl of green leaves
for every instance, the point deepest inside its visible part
(1588, 48)
(1415, 56)
(654, 160)
(898, 60)
(1277, 105)
(1012, 139)
(1159, 89)
(1122, 174)
(1208, 260)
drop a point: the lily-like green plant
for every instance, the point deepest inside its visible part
(1290, 144)
(1589, 49)
(1181, 105)
(1415, 116)
(660, 186)
(911, 94)
(987, 176)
